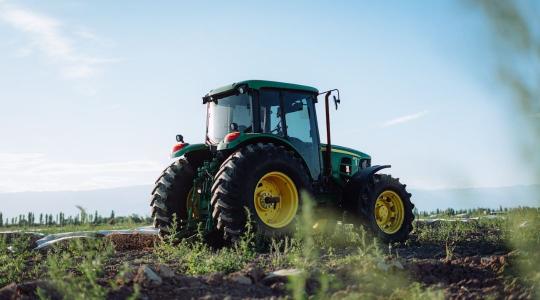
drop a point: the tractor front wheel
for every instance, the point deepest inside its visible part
(170, 195)
(389, 209)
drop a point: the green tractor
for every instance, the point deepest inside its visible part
(262, 156)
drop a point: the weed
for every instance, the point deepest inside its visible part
(16, 260)
(195, 257)
(283, 251)
(449, 249)
(74, 270)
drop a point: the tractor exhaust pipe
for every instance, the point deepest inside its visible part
(328, 153)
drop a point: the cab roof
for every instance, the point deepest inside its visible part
(257, 84)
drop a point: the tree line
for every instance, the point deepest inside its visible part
(60, 219)
(470, 212)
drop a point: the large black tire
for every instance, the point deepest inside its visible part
(235, 183)
(383, 183)
(169, 196)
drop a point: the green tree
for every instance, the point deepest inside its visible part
(62, 219)
(112, 218)
(83, 214)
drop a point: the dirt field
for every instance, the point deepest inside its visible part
(452, 261)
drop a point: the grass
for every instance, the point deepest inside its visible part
(488, 231)
(74, 270)
(16, 261)
(195, 257)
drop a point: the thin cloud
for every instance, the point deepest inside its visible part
(48, 36)
(405, 119)
(89, 35)
(37, 172)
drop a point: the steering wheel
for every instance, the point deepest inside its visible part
(277, 129)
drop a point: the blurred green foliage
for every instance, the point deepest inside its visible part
(516, 28)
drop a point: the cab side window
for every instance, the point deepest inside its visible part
(297, 114)
(270, 112)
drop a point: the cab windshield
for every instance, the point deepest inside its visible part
(226, 113)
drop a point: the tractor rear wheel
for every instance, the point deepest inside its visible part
(266, 179)
(389, 211)
(170, 195)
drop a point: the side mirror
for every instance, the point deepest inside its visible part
(179, 138)
(296, 106)
(336, 101)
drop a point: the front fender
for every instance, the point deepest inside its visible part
(358, 182)
(189, 148)
(364, 175)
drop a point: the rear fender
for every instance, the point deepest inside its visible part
(245, 139)
(189, 148)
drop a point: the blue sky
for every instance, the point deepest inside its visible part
(92, 93)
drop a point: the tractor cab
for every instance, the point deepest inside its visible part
(284, 111)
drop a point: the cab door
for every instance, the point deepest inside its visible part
(291, 115)
(301, 127)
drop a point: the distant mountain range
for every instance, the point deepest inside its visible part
(489, 197)
(124, 201)
(135, 200)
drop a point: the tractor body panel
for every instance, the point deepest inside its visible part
(345, 162)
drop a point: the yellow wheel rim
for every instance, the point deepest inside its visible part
(192, 204)
(389, 212)
(276, 199)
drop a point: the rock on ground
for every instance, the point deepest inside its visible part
(280, 276)
(239, 278)
(147, 277)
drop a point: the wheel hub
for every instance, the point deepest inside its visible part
(389, 212)
(276, 199)
(271, 200)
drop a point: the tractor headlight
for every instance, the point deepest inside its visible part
(365, 163)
